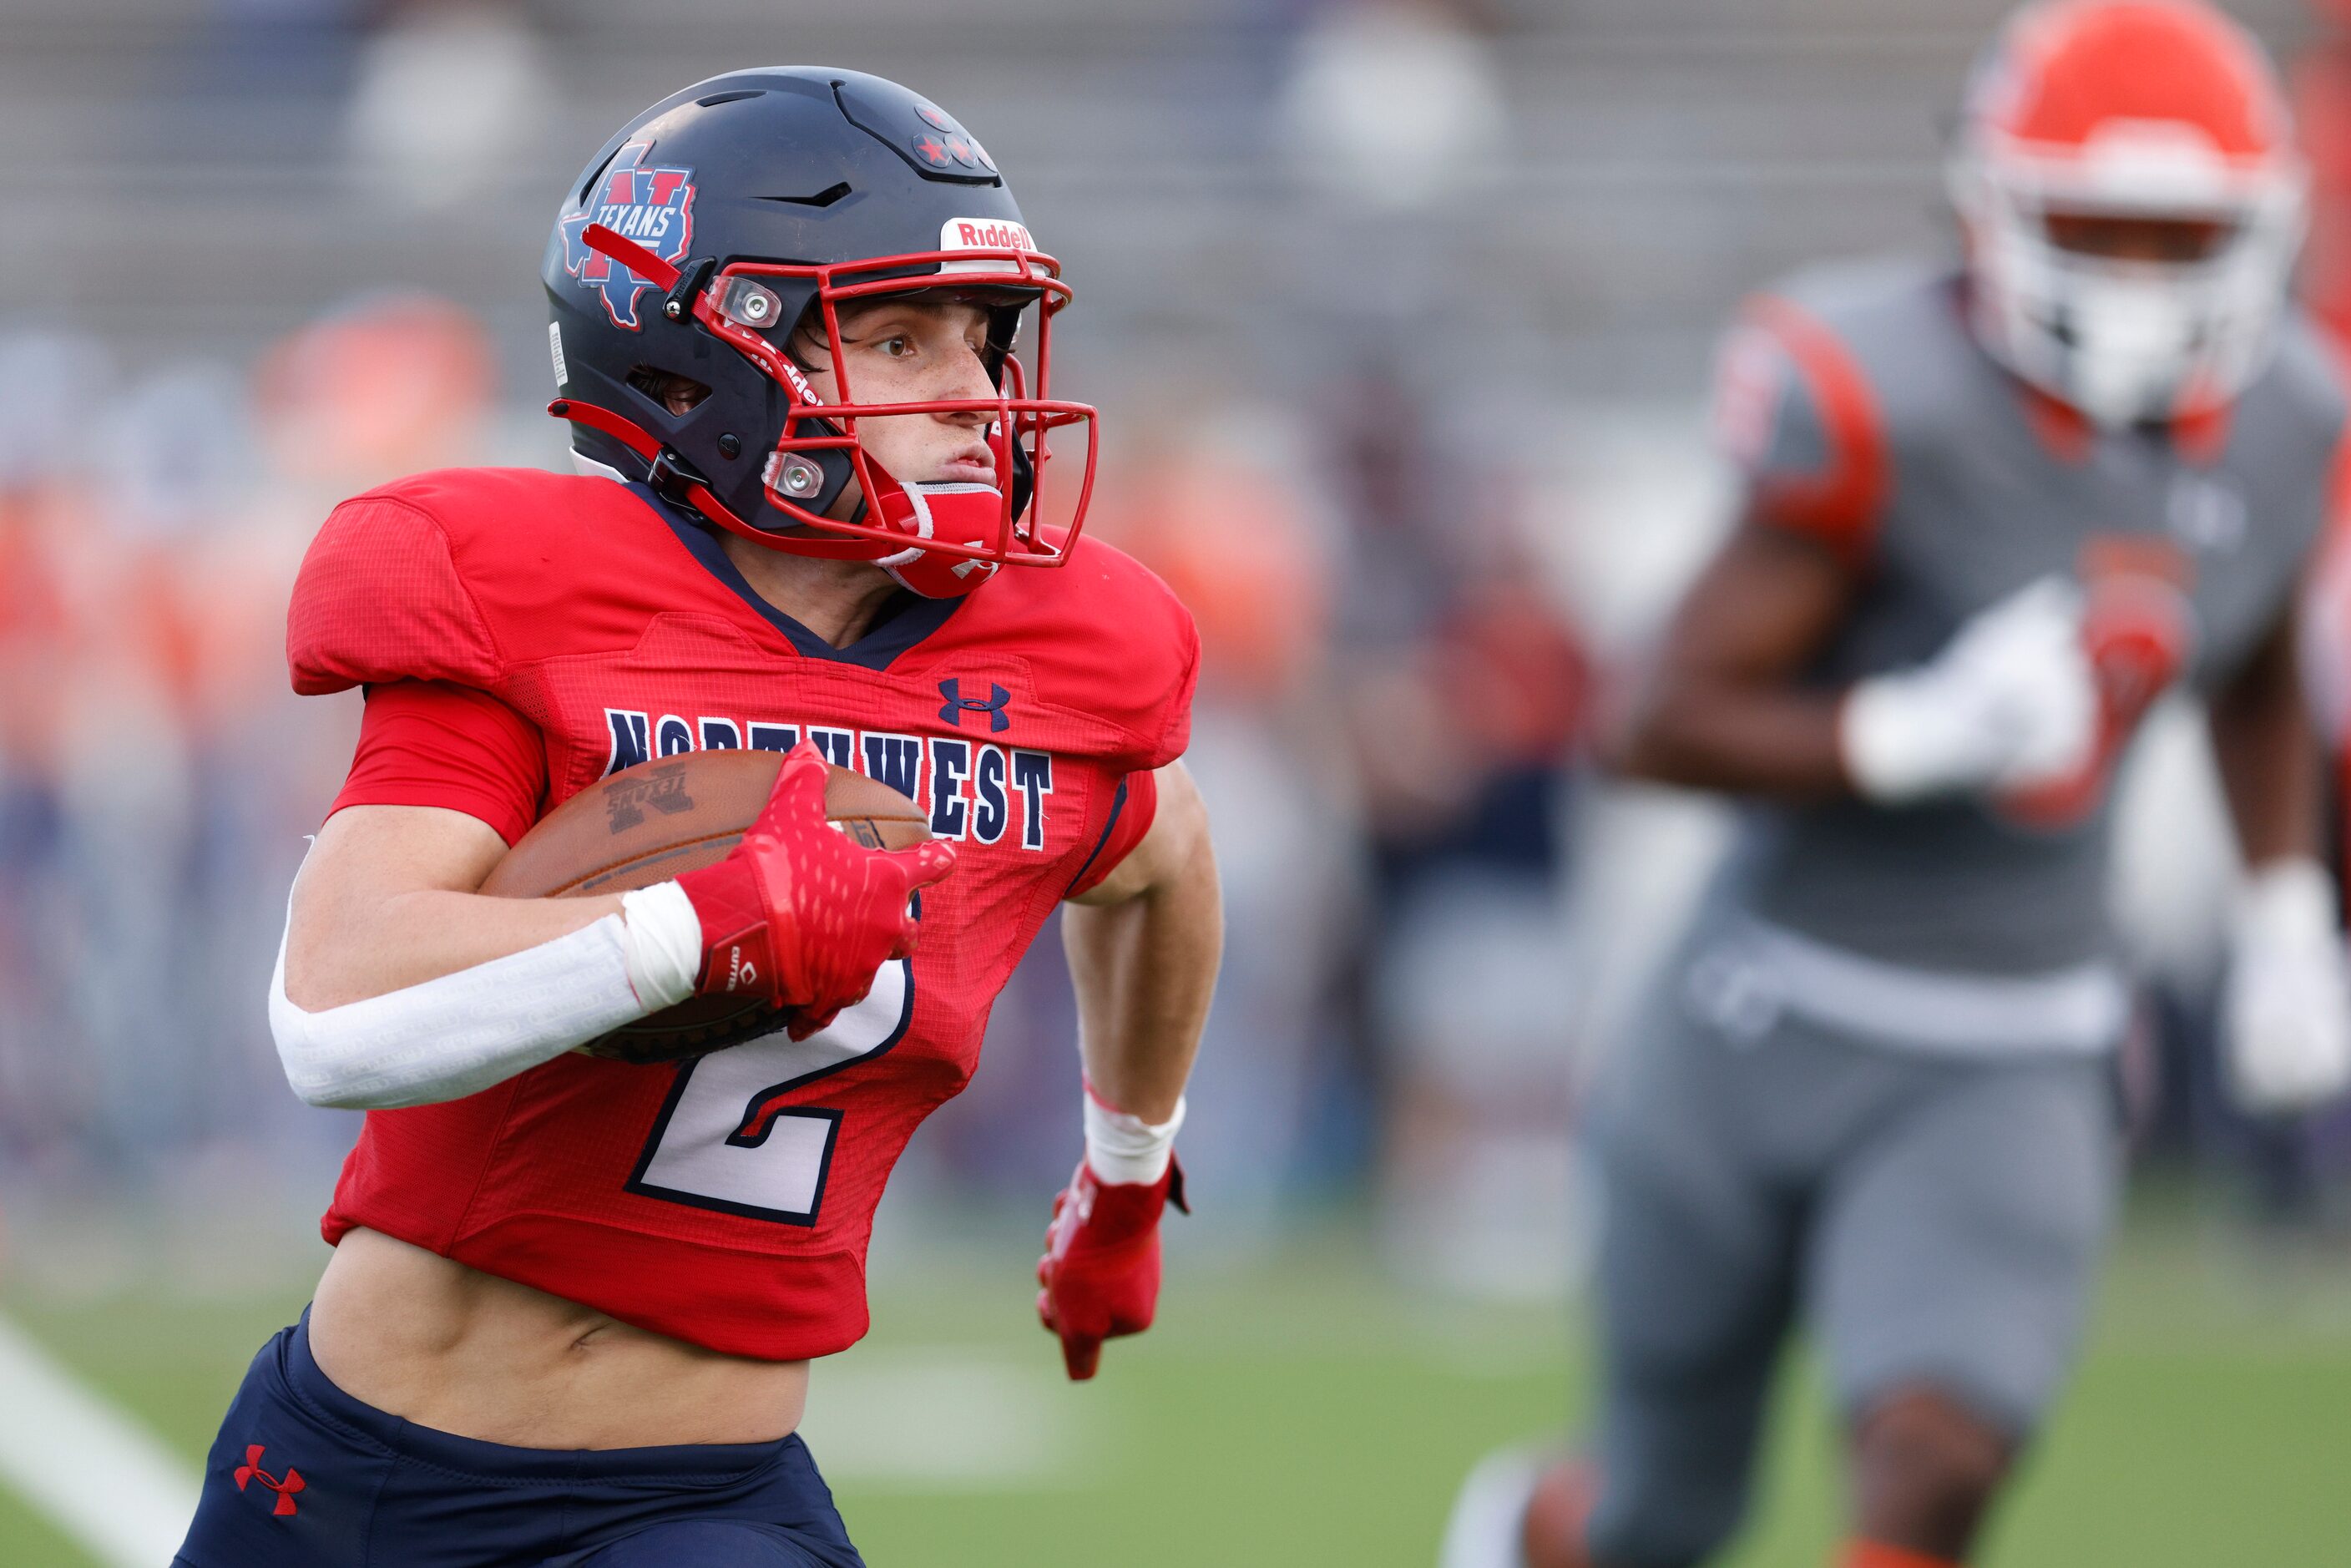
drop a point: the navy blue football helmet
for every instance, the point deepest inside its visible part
(754, 204)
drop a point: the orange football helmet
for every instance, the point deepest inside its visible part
(2084, 111)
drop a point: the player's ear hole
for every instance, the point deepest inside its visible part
(675, 392)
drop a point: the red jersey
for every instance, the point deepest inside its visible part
(727, 1201)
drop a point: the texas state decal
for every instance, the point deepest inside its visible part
(651, 205)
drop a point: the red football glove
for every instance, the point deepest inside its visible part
(1100, 1268)
(801, 912)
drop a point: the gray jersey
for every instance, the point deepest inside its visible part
(1866, 416)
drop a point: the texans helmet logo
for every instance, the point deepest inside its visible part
(653, 206)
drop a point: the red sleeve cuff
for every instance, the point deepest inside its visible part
(1130, 811)
(429, 743)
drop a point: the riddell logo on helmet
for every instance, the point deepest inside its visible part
(984, 234)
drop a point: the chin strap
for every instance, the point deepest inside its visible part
(950, 513)
(676, 479)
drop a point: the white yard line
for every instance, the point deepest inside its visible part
(92, 1470)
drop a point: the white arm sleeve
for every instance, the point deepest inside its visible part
(460, 1033)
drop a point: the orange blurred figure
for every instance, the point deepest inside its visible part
(388, 386)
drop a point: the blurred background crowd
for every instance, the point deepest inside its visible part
(1400, 313)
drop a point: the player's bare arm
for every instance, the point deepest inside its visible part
(1144, 947)
(2009, 708)
(1722, 707)
(2285, 1003)
(386, 900)
(2268, 752)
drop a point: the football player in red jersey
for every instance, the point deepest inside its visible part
(573, 1300)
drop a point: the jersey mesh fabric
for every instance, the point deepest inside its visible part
(1133, 809)
(612, 1184)
(432, 743)
(387, 599)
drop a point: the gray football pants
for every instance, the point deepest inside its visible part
(1936, 1221)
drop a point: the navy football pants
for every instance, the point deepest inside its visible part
(304, 1476)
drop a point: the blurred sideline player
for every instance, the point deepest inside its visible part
(1989, 517)
(573, 1300)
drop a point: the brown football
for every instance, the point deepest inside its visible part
(647, 824)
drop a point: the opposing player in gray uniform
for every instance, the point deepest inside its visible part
(1991, 513)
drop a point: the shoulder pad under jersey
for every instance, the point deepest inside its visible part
(1796, 408)
(406, 581)
(1106, 637)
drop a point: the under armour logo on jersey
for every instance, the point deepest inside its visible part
(651, 206)
(957, 704)
(251, 1470)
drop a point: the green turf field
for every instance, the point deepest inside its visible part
(1311, 1415)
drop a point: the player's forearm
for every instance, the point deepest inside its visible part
(1144, 970)
(385, 899)
(458, 1033)
(348, 947)
(398, 986)
(1143, 966)
(2270, 772)
(1743, 739)
(1723, 707)
(2268, 755)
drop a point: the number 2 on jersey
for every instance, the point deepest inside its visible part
(725, 1139)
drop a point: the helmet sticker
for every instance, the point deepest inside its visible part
(941, 144)
(984, 234)
(555, 352)
(654, 206)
